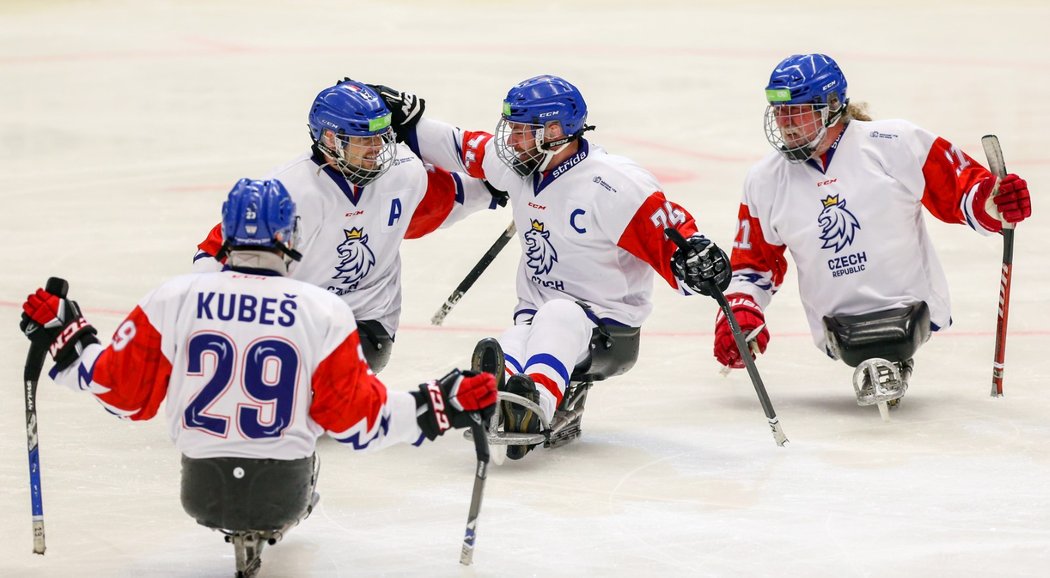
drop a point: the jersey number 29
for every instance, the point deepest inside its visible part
(268, 375)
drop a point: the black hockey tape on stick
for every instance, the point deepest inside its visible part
(472, 276)
(34, 365)
(741, 344)
(998, 168)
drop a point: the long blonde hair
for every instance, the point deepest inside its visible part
(858, 111)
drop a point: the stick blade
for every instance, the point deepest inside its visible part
(466, 557)
(778, 432)
(39, 545)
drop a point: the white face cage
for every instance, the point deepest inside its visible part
(796, 130)
(519, 146)
(363, 159)
(516, 145)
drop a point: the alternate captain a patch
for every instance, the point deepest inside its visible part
(541, 254)
(838, 226)
(356, 260)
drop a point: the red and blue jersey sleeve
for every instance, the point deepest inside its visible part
(210, 246)
(644, 235)
(472, 147)
(130, 377)
(443, 190)
(213, 242)
(758, 266)
(951, 179)
(349, 401)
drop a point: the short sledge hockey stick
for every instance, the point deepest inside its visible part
(34, 365)
(741, 345)
(481, 447)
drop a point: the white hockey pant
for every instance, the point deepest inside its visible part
(549, 349)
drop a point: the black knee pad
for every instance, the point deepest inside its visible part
(893, 335)
(241, 494)
(614, 351)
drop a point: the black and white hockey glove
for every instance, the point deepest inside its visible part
(405, 108)
(56, 322)
(448, 402)
(703, 263)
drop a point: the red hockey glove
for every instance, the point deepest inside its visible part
(1013, 200)
(57, 323)
(1012, 204)
(749, 316)
(448, 402)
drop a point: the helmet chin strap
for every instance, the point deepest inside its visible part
(551, 149)
(549, 154)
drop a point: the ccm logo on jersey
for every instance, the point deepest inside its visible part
(827, 182)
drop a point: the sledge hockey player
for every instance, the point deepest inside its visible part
(845, 194)
(254, 366)
(359, 194)
(591, 227)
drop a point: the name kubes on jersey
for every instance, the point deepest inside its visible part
(249, 366)
(247, 308)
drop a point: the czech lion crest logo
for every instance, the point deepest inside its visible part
(357, 259)
(541, 254)
(838, 226)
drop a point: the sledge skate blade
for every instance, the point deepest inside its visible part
(510, 438)
(884, 411)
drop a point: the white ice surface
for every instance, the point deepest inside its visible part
(123, 124)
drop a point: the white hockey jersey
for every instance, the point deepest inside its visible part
(855, 228)
(591, 228)
(351, 236)
(252, 365)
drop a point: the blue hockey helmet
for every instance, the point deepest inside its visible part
(349, 108)
(546, 98)
(260, 215)
(363, 146)
(807, 79)
(800, 80)
(530, 106)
